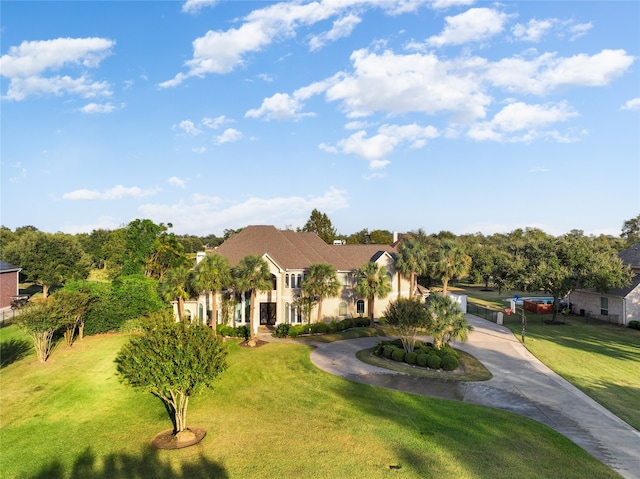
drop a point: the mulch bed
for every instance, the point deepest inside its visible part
(259, 342)
(167, 440)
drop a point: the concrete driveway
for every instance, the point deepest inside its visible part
(520, 384)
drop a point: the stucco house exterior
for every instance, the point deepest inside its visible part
(619, 305)
(289, 255)
(9, 279)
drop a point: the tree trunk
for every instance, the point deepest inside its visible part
(45, 291)
(319, 309)
(81, 330)
(252, 335)
(445, 283)
(180, 308)
(214, 310)
(370, 306)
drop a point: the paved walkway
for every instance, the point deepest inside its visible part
(520, 384)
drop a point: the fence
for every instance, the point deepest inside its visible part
(6, 315)
(482, 312)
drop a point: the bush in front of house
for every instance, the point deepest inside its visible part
(450, 362)
(282, 330)
(434, 361)
(421, 359)
(410, 358)
(398, 355)
(319, 328)
(634, 324)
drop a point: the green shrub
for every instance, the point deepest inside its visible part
(296, 330)
(378, 349)
(434, 361)
(397, 343)
(340, 326)
(382, 321)
(226, 331)
(634, 324)
(421, 360)
(282, 330)
(448, 350)
(450, 362)
(410, 358)
(332, 327)
(388, 350)
(243, 332)
(362, 322)
(349, 323)
(398, 355)
(319, 328)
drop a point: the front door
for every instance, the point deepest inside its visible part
(267, 314)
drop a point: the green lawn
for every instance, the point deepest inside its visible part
(602, 360)
(273, 414)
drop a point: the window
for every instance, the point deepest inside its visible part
(299, 281)
(604, 306)
(342, 309)
(286, 280)
(360, 307)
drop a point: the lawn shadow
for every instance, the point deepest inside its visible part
(146, 465)
(13, 350)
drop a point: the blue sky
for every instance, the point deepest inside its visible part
(442, 114)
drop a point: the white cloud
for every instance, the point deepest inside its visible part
(199, 149)
(376, 148)
(228, 136)
(179, 182)
(534, 30)
(520, 122)
(118, 192)
(204, 215)
(474, 25)
(26, 65)
(98, 108)
(548, 72)
(417, 82)
(215, 123)
(445, 4)
(341, 28)
(103, 223)
(194, 6)
(187, 127)
(223, 51)
(633, 104)
(579, 30)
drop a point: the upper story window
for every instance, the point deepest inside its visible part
(299, 281)
(286, 280)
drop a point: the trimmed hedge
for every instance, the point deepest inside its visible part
(398, 355)
(434, 361)
(450, 362)
(423, 355)
(634, 324)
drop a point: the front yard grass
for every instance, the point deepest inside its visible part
(602, 360)
(273, 414)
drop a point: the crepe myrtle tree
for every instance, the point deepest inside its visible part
(173, 361)
(408, 316)
(40, 321)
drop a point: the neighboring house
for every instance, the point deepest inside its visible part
(619, 305)
(9, 279)
(289, 255)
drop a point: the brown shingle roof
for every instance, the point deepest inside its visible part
(296, 250)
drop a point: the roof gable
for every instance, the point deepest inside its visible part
(8, 267)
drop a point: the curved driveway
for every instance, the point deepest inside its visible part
(520, 384)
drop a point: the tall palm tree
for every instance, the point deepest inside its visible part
(372, 282)
(252, 274)
(173, 287)
(450, 262)
(412, 261)
(321, 283)
(212, 275)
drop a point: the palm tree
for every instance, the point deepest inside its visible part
(446, 321)
(450, 262)
(372, 282)
(252, 274)
(212, 274)
(321, 282)
(412, 261)
(174, 287)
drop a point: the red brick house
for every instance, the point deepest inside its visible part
(9, 278)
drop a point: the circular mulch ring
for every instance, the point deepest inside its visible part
(188, 437)
(259, 342)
